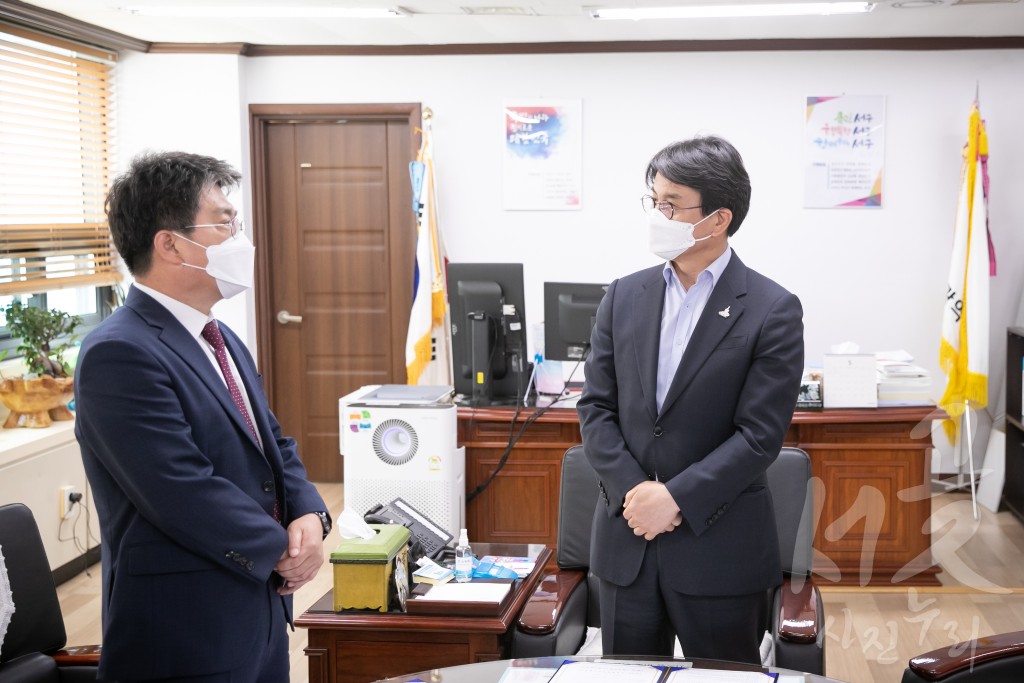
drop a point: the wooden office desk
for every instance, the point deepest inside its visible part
(873, 467)
(362, 645)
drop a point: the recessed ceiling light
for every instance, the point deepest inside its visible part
(253, 11)
(507, 11)
(917, 4)
(788, 9)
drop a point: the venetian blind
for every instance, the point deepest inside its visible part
(56, 154)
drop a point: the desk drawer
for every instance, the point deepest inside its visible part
(492, 433)
(864, 433)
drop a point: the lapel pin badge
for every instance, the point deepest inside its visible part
(725, 312)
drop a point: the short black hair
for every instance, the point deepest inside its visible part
(160, 191)
(713, 167)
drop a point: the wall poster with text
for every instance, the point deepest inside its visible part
(844, 151)
(543, 155)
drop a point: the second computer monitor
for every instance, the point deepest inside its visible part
(488, 331)
(570, 309)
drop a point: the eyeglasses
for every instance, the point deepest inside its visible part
(650, 203)
(234, 226)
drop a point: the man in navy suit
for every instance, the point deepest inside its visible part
(207, 521)
(691, 382)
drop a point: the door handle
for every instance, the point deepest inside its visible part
(284, 317)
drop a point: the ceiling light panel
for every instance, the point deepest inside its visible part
(507, 11)
(727, 10)
(278, 12)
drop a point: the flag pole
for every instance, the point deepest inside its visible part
(966, 417)
(965, 421)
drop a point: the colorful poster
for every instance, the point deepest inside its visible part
(844, 151)
(543, 155)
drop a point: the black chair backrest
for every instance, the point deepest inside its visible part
(37, 624)
(788, 479)
(577, 500)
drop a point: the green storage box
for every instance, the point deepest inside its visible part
(363, 568)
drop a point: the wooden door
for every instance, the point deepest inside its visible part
(336, 241)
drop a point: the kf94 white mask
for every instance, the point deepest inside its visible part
(668, 238)
(231, 263)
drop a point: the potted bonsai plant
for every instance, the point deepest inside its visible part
(40, 396)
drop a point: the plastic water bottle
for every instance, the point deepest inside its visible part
(463, 559)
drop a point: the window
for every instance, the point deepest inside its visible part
(56, 159)
(91, 304)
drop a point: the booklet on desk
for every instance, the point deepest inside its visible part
(433, 574)
(522, 566)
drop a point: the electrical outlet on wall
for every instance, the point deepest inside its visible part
(68, 497)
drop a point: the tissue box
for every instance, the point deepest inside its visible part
(363, 567)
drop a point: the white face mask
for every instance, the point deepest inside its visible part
(231, 263)
(668, 238)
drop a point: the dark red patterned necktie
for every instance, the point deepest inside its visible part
(211, 333)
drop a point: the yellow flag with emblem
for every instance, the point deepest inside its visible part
(963, 352)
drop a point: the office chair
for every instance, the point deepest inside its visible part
(555, 618)
(990, 659)
(32, 649)
(798, 617)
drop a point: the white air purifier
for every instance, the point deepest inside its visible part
(408, 452)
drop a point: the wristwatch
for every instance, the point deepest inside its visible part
(325, 520)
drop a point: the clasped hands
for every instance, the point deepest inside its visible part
(650, 510)
(302, 558)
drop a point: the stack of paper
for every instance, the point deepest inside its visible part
(468, 592)
(900, 382)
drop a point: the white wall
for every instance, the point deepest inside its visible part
(34, 465)
(876, 277)
(190, 103)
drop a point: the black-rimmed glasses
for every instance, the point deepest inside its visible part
(667, 209)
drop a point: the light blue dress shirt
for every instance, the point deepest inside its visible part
(680, 315)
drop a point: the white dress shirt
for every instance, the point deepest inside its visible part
(194, 321)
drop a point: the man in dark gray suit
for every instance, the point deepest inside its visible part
(691, 382)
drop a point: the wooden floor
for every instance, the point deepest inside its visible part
(871, 633)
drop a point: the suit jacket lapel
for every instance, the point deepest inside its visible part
(711, 328)
(177, 338)
(647, 307)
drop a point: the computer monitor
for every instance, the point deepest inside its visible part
(488, 315)
(570, 309)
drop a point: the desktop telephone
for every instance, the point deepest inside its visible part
(432, 539)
